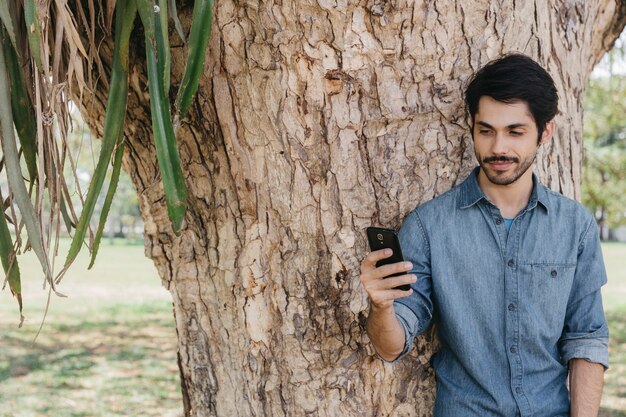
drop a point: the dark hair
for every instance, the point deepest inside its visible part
(513, 78)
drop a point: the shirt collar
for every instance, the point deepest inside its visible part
(471, 192)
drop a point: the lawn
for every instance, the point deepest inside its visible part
(109, 348)
(614, 295)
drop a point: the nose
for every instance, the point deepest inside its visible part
(500, 145)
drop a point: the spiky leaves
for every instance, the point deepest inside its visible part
(115, 176)
(198, 39)
(113, 121)
(52, 52)
(157, 54)
(9, 261)
(14, 171)
(23, 111)
(6, 16)
(31, 16)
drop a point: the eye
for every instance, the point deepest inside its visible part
(485, 131)
(516, 133)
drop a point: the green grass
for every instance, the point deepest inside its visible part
(614, 398)
(614, 296)
(109, 348)
(614, 292)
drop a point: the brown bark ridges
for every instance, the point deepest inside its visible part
(315, 119)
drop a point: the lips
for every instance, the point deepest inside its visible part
(501, 165)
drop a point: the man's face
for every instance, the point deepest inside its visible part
(505, 140)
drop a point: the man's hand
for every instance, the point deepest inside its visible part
(383, 327)
(379, 288)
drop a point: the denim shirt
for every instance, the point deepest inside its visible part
(511, 309)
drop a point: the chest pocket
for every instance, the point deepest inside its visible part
(548, 287)
(546, 274)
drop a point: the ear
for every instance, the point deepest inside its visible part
(548, 131)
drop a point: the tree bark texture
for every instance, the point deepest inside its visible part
(315, 119)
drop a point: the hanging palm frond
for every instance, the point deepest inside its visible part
(157, 54)
(23, 112)
(113, 123)
(115, 176)
(198, 39)
(14, 172)
(47, 49)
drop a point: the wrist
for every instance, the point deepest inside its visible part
(382, 309)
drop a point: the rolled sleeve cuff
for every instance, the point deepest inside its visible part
(593, 347)
(409, 323)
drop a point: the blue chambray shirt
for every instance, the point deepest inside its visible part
(511, 309)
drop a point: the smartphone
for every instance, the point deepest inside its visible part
(381, 238)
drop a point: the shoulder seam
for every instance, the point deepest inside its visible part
(421, 226)
(581, 246)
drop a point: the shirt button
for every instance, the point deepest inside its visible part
(553, 273)
(513, 349)
(499, 221)
(518, 390)
(511, 307)
(511, 263)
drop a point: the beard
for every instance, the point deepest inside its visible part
(508, 177)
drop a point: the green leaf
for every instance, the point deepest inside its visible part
(113, 120)
(115, 176)
(174, 14)
(14, 171)
(23, 111)
(198, 40)
(69, 224)
(146, 12)
(33, 30)
(7, 19)
(157, 52)
(165, 141)
(154, 18)
(9, 260)
(163, 45)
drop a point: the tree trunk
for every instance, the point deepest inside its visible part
(315, 119)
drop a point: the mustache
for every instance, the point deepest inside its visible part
(490, 159)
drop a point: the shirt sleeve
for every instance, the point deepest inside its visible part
(585, 331)
(415, 311)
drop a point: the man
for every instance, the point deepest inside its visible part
(509, 271)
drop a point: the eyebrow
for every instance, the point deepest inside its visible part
(512, 126)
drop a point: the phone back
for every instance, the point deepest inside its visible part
(381, 238)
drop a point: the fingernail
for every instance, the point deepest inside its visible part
(408, 265)
(388, 252)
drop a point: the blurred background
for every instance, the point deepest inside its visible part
(109, 347)
(604, 194)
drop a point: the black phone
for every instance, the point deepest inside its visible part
(381, 238)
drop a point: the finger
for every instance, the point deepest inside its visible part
(391, 269)
(391, 283)
(378, 274)
(377, 255)
(395, 294)
(369, 262)
(384, 297)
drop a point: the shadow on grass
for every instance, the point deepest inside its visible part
(67, 361)
(122, 361)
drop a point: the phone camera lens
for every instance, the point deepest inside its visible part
(379, 236)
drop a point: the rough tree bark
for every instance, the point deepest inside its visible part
(315, 119)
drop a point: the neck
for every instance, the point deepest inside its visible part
(510, 199)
